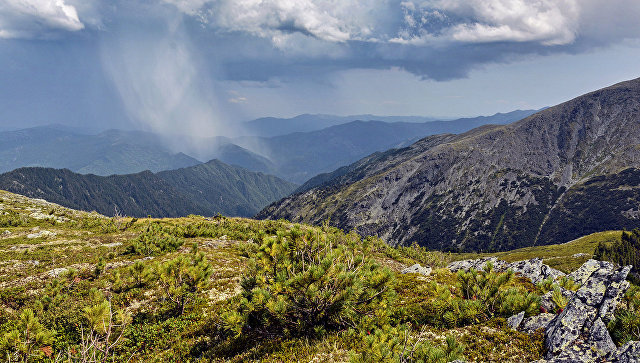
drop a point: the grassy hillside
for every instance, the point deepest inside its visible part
(234, 289)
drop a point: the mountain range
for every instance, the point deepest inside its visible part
(274, 126)
(561, 173)
(110, 152)
(299, 156)
(204, 189)
(295, 157)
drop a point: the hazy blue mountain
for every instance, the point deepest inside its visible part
(110, 152)
(295, 157)
(299, 156)
(273, 126)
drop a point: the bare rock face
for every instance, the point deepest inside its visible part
(582, 274)
(579, 331)
(535, 270)
(630, 353)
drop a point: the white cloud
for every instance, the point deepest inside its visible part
(327, 20)
(548, 22)
(28, 18)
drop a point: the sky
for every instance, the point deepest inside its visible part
(201, 66)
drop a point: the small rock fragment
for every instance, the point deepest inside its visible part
(515, 320)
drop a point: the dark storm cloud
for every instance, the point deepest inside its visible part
(435, 39)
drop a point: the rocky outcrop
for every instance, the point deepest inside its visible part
(579, 332)
(630, 353)
(533, 269)
(477, 264)
(417, 269)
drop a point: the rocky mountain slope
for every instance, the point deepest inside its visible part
(561, 173)
(205, 189)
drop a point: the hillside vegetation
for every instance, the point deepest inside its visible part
(77, 286)
(205, 189)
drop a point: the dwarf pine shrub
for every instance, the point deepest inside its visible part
(400, 344)
(182, 279)
(305, 283)
(28, 340)
(154, 241)
(492, 290)
(626, 324)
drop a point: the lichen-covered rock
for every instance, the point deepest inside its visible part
(587, 313)
(57, 272)
(629, 353)
(477, 264)
(535, 270)
(581, 275)
(600, 339)
(515, 320)
(579, 352)
(540, 321)
(39, 234)
(417, 269)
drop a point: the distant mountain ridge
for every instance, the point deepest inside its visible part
(295, 157)
(274, 126)
(300, 156)
(561, 173)
(205, 189)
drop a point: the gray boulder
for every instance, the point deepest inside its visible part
(515, 320)
(581, 275)
(540, 321)
(417, 269)
(586, 315)
(533, 269)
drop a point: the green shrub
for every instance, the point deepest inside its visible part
(398, 344)
(11, 219)
(626, 324)
(154, 241)
(308, 283)
(183, 278)
(491, 289)
(28, 340)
